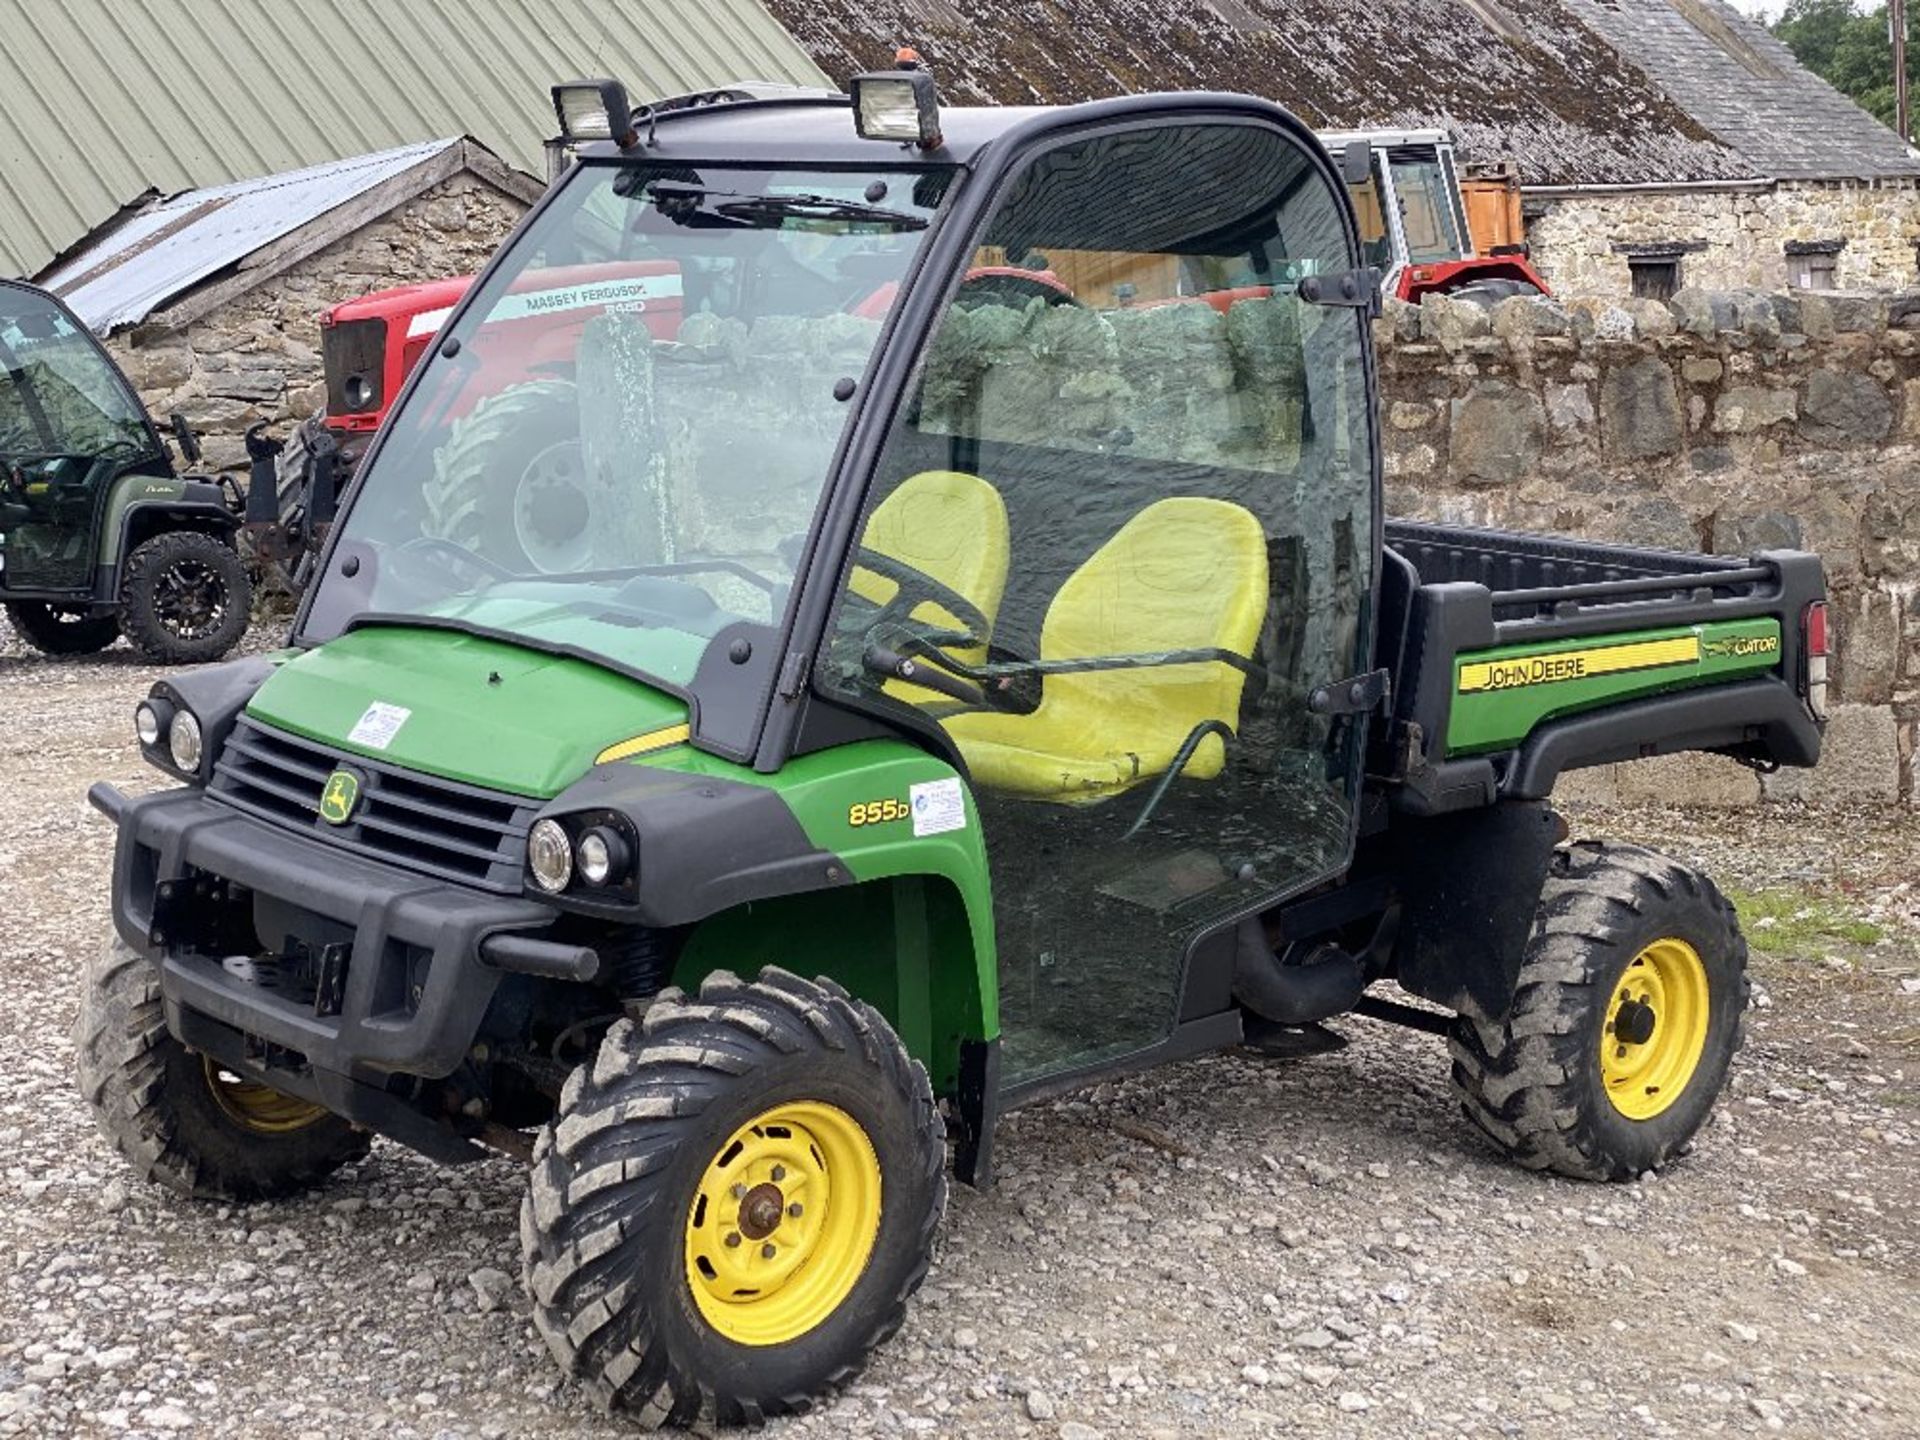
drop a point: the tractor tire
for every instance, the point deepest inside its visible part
(1630, 1006)
(734, 1202)
(62, 630)
(512, 472)
(182, 1121)
(185, 598)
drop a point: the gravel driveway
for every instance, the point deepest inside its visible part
(1230, 1247)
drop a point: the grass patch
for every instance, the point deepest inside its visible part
(1786, 920)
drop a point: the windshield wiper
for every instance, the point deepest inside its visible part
(678, 200)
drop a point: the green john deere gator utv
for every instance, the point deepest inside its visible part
(99, 535)
(981, 667)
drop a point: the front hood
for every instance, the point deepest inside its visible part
(479, 711)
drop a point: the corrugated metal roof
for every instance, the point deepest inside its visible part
(139, 265)
(107, 100)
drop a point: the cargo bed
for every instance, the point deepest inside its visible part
(1520, 656)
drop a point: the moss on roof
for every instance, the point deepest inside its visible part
(1519, 79)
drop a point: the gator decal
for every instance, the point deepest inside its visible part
(1500, 696)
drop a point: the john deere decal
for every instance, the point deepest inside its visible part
(1518, 670)
(339, 797)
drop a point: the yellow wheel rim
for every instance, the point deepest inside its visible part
(1656, 1029)
(783, 1223)
(258, 1107)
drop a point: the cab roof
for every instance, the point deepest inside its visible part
(817, 128)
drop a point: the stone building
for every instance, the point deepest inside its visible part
(211, 300)
(1660, 143)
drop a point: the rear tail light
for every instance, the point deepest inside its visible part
(1813, 639)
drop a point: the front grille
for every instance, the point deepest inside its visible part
(439, 827)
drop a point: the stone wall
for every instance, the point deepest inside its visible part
(258, 357)
(1724, 422)
(1580, 242)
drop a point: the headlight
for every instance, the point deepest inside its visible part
(549, 856)
(604, 856)
(183, 742)
(148, 723)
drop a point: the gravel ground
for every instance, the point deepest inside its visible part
(1231, 1246)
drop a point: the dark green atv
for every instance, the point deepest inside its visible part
(99, 536)
(978, 665)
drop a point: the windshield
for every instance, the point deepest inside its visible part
(1429, 212)
(59, 396)
(620, 445)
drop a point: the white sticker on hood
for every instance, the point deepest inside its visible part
(379, 725)
(938, 806)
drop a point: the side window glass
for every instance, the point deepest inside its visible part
(1119, 533)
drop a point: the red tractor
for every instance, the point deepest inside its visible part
(1415, 223)
(512, 476)
(527, 431)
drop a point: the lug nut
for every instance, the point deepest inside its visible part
(739, 1192)
(794, 1210)
(779, 1173)
(733, 1241)
(767, 1252)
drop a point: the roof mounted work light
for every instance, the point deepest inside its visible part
(899, 104)
(595, 110)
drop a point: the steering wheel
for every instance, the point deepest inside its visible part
(913, 588)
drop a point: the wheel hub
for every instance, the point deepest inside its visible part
(1633, 1022)
(783, 1221)
(760, 1212)
(190, 599)
(553, 513)
(1656, 1029)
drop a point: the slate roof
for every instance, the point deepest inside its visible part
(1746, 87)
(1575, 91)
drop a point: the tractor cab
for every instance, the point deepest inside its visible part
(1047, 452)
(1416, 224)
(85, 482)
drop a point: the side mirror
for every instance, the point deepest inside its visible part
(184, 437)
(1356, 162)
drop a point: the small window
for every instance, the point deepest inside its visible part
(1814, 266)
(1655, 277)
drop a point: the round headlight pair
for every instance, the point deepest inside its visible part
(155, 721)
(602, 857)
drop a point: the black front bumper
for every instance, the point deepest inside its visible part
(416, 986)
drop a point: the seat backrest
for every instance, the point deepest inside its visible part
(952, 527)
(1186, 573)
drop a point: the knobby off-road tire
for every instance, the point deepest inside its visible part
(1541, 1083)
(156, 1101)
(57, 630)
(186, 598)
(477, 475)
(612, 1225)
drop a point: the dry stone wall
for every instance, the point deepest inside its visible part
(258, 357)
(1725, 422)
(1729, 238)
